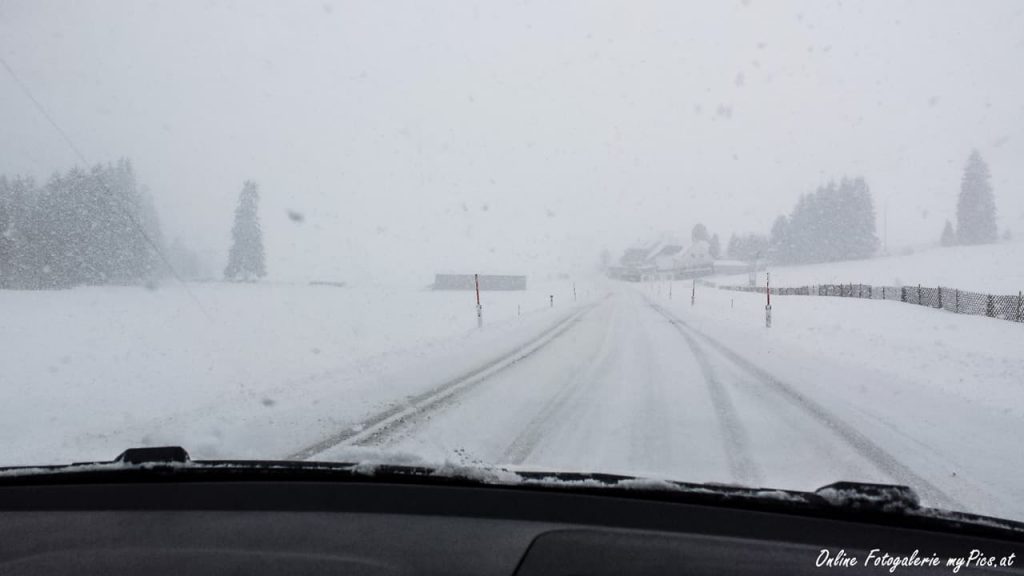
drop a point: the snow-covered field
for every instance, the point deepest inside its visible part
(624, 380)
(90, 371)
(993, 269)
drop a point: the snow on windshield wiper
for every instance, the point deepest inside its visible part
(856, 499)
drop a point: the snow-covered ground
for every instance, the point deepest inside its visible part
(631, 381)
(993, 269)
(90, 371)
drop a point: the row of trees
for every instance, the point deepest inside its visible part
(837, 222)
(99, 227)
(747, 247)
(81, 227)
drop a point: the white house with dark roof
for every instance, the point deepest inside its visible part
(664, 258)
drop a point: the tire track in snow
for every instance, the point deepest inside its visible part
(849, 434)
(378, 427)
(734, 433)
(545, 421)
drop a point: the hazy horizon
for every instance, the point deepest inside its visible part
(523, 136)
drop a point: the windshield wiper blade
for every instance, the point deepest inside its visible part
(869, 496)
(160, 454)
(849, 500)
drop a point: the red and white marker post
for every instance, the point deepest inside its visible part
(479, 308)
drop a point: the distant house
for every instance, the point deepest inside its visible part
(633, 257)
(665, 258)
(698, 255)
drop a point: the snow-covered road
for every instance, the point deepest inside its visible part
(635, 387)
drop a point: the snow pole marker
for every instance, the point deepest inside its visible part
(693, 292)
(479, 308)
(669, 289)
(573, 291)
(552, 298)
(768, 294)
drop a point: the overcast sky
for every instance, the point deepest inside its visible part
(515, 135)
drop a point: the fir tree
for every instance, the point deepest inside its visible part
(976, 207)
(245, 261)
(860, 220)
(948, 235)
(779, 238)
(715, 247)
(699, 233)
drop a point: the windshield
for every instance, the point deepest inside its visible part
(771, 244)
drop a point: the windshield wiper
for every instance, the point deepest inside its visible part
(845, 500)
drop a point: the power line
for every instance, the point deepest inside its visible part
(81, 157)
